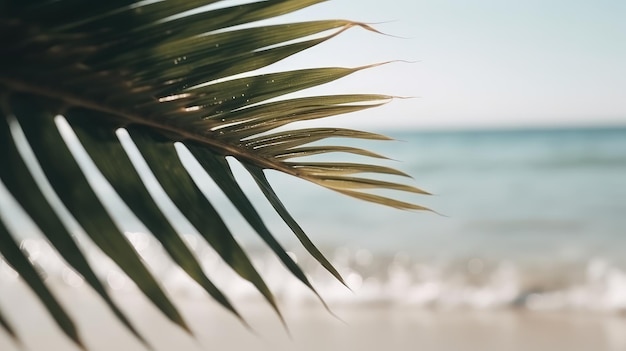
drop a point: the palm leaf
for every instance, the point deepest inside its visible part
(6, 326)
(16, 258)
(166, 72)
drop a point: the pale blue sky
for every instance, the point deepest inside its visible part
(482, 62)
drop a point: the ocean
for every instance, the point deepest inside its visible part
(532, 219)
(522, 219)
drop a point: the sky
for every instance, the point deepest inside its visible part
(481, 63)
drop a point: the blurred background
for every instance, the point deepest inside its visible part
(517, 125)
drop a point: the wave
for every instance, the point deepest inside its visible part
(391, 280)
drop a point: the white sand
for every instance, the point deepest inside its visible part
(313, 328)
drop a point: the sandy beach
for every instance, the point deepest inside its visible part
(375, 327)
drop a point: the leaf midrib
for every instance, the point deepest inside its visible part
(73, 100)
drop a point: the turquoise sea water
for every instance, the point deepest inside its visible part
(533, 218)
(527, 218)
(522, 194)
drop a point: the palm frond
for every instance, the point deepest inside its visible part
(167, 72)
(7, 327)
